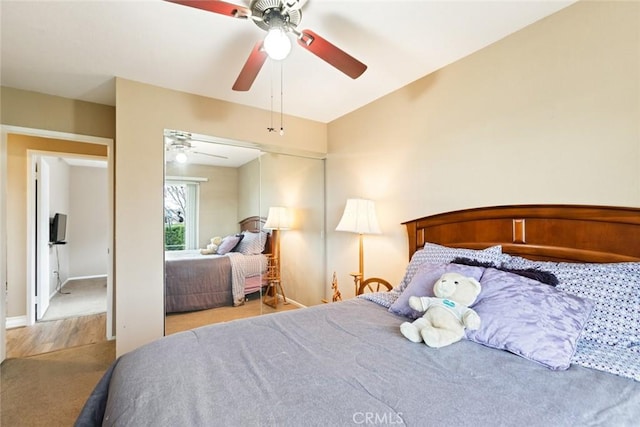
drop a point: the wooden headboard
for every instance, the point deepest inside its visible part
(256, 224)
(573, 233)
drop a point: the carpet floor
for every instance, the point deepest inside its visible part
(81, 297)
(50, 389)
(178, 322)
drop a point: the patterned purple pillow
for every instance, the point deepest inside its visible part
(422, 285)
(252, 243)
(228, 243)
(384, 299)
(528, 318)
(610, 341)
(615, 290)
(438, 254)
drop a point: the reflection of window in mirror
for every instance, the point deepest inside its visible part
(181, 203)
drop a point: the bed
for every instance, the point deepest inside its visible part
(197, 281)
(345, 363)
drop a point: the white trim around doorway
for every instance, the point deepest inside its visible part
(28, 318)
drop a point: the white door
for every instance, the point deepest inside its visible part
(42, 287)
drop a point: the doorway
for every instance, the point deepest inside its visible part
(70, 220)
(21, 273)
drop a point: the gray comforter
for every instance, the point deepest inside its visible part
(196, 282)
(345, 364)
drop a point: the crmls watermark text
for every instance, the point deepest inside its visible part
(376, 418)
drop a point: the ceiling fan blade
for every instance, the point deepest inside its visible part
(331, 54)
(215, 6)
(251, 68)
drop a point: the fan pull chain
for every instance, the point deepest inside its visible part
(281, 99)
(271, 128)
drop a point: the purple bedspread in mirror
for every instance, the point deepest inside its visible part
(196, 282)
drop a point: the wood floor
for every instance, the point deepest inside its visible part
(44, 337)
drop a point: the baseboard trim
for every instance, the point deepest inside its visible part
(291, 301)
(16, 322)
(55, 289)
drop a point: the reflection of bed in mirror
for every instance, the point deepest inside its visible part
(196, 281)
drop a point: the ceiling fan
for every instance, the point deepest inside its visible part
(278, 17)
(181, 144)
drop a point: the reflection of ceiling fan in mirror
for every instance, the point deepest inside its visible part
(278, 18)
(181, 145)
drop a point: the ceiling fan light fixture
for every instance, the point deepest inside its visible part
(277, 44)
(278, 18)
(181, 157)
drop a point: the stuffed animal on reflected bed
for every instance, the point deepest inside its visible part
(447, 314)
(212, 247)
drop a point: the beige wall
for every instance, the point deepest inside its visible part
(88, 227)
(18, 147)
(549, 114)
(249, 189)
(142, 114)
(38, 111)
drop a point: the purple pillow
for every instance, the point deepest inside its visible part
(228, 243)
(528, 318)
(438, 254)
(422, 285)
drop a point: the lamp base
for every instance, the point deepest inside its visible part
(271, 297)
(357, 278)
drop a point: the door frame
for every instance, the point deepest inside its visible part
(5, 130)
(41, 219)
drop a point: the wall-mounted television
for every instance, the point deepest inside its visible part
(58, 228)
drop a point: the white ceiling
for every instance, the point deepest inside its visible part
(86, 162)
(208, 150)
(79, 161)
(75, 48)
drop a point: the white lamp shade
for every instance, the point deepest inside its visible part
(359, 217)
(279, 218)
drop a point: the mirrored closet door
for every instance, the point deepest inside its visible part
(218, 199)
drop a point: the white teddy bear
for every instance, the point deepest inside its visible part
(447, 314)
(212, 247)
